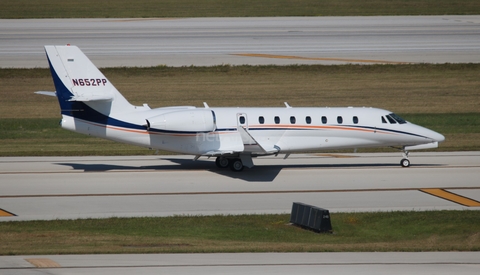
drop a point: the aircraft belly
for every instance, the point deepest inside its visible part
(293, 141)
(83, 127)
(399, 139)
(69, 123)
(342, 143)
(301, 140)
(130, 136)
(133, 137)
(219, 142)
(198, 144)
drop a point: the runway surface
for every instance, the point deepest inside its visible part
(34, 188)
(459, 263)
(255, 41)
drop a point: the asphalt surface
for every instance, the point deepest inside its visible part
(238, 41)
(97, 187)
(459, 263)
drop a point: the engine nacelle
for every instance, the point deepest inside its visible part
(192, 120)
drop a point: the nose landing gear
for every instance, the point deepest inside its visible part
(405, 162)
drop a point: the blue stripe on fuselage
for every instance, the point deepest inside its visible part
(78, 109)
(63, 94)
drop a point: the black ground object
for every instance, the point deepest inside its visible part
(311, 217)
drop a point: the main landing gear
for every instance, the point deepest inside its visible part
(235, 164)
(222, 162)
(405, 162)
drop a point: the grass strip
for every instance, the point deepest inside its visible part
(390, 231)
(230, 8)
(443, 97)
(44, 137)
(405, 89)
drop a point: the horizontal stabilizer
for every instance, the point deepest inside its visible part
(46, 93)
(92, 98)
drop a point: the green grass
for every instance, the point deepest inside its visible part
(44, 137)
(448, 123)
(230, 8)
(462, 131)
(443, 97)
(406, 89)
(391, 231)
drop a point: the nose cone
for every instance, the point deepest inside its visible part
(434, 136)
(428, 134)
(438, 137)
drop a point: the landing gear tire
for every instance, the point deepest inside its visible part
(222, 162)
(236, 165)
(405, 163)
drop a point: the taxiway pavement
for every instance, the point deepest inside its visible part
(239, 41)
(459, 263)
(47, 188)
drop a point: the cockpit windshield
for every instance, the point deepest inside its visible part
(397, 118)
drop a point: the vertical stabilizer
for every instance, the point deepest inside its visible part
(81, 88)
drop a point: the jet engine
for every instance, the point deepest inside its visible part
(191, 120)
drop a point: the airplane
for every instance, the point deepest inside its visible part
(91, 105)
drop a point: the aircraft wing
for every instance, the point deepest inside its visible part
(266, 147)
(218, 153)
(223, 144)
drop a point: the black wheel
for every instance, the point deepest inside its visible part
(405, 163)
(236, 165)
(222, 162)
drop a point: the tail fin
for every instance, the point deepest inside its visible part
(82, 90)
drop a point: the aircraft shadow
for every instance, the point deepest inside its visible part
(264, 173)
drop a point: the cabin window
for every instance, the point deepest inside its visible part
(242, 120)
(391, 120)
(308, 120)
(355, 120)
(397, 118)
(324, 119)
(261, 120)
(277, 120)
(293, 120)
(339, 119)
(383, 120)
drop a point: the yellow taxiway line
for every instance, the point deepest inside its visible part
(319, 58)
(441, 193)
(4, 213)
(43, 262)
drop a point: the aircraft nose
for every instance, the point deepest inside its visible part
(436, 137)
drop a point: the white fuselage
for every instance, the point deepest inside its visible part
(258, 131)
(90, 104)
